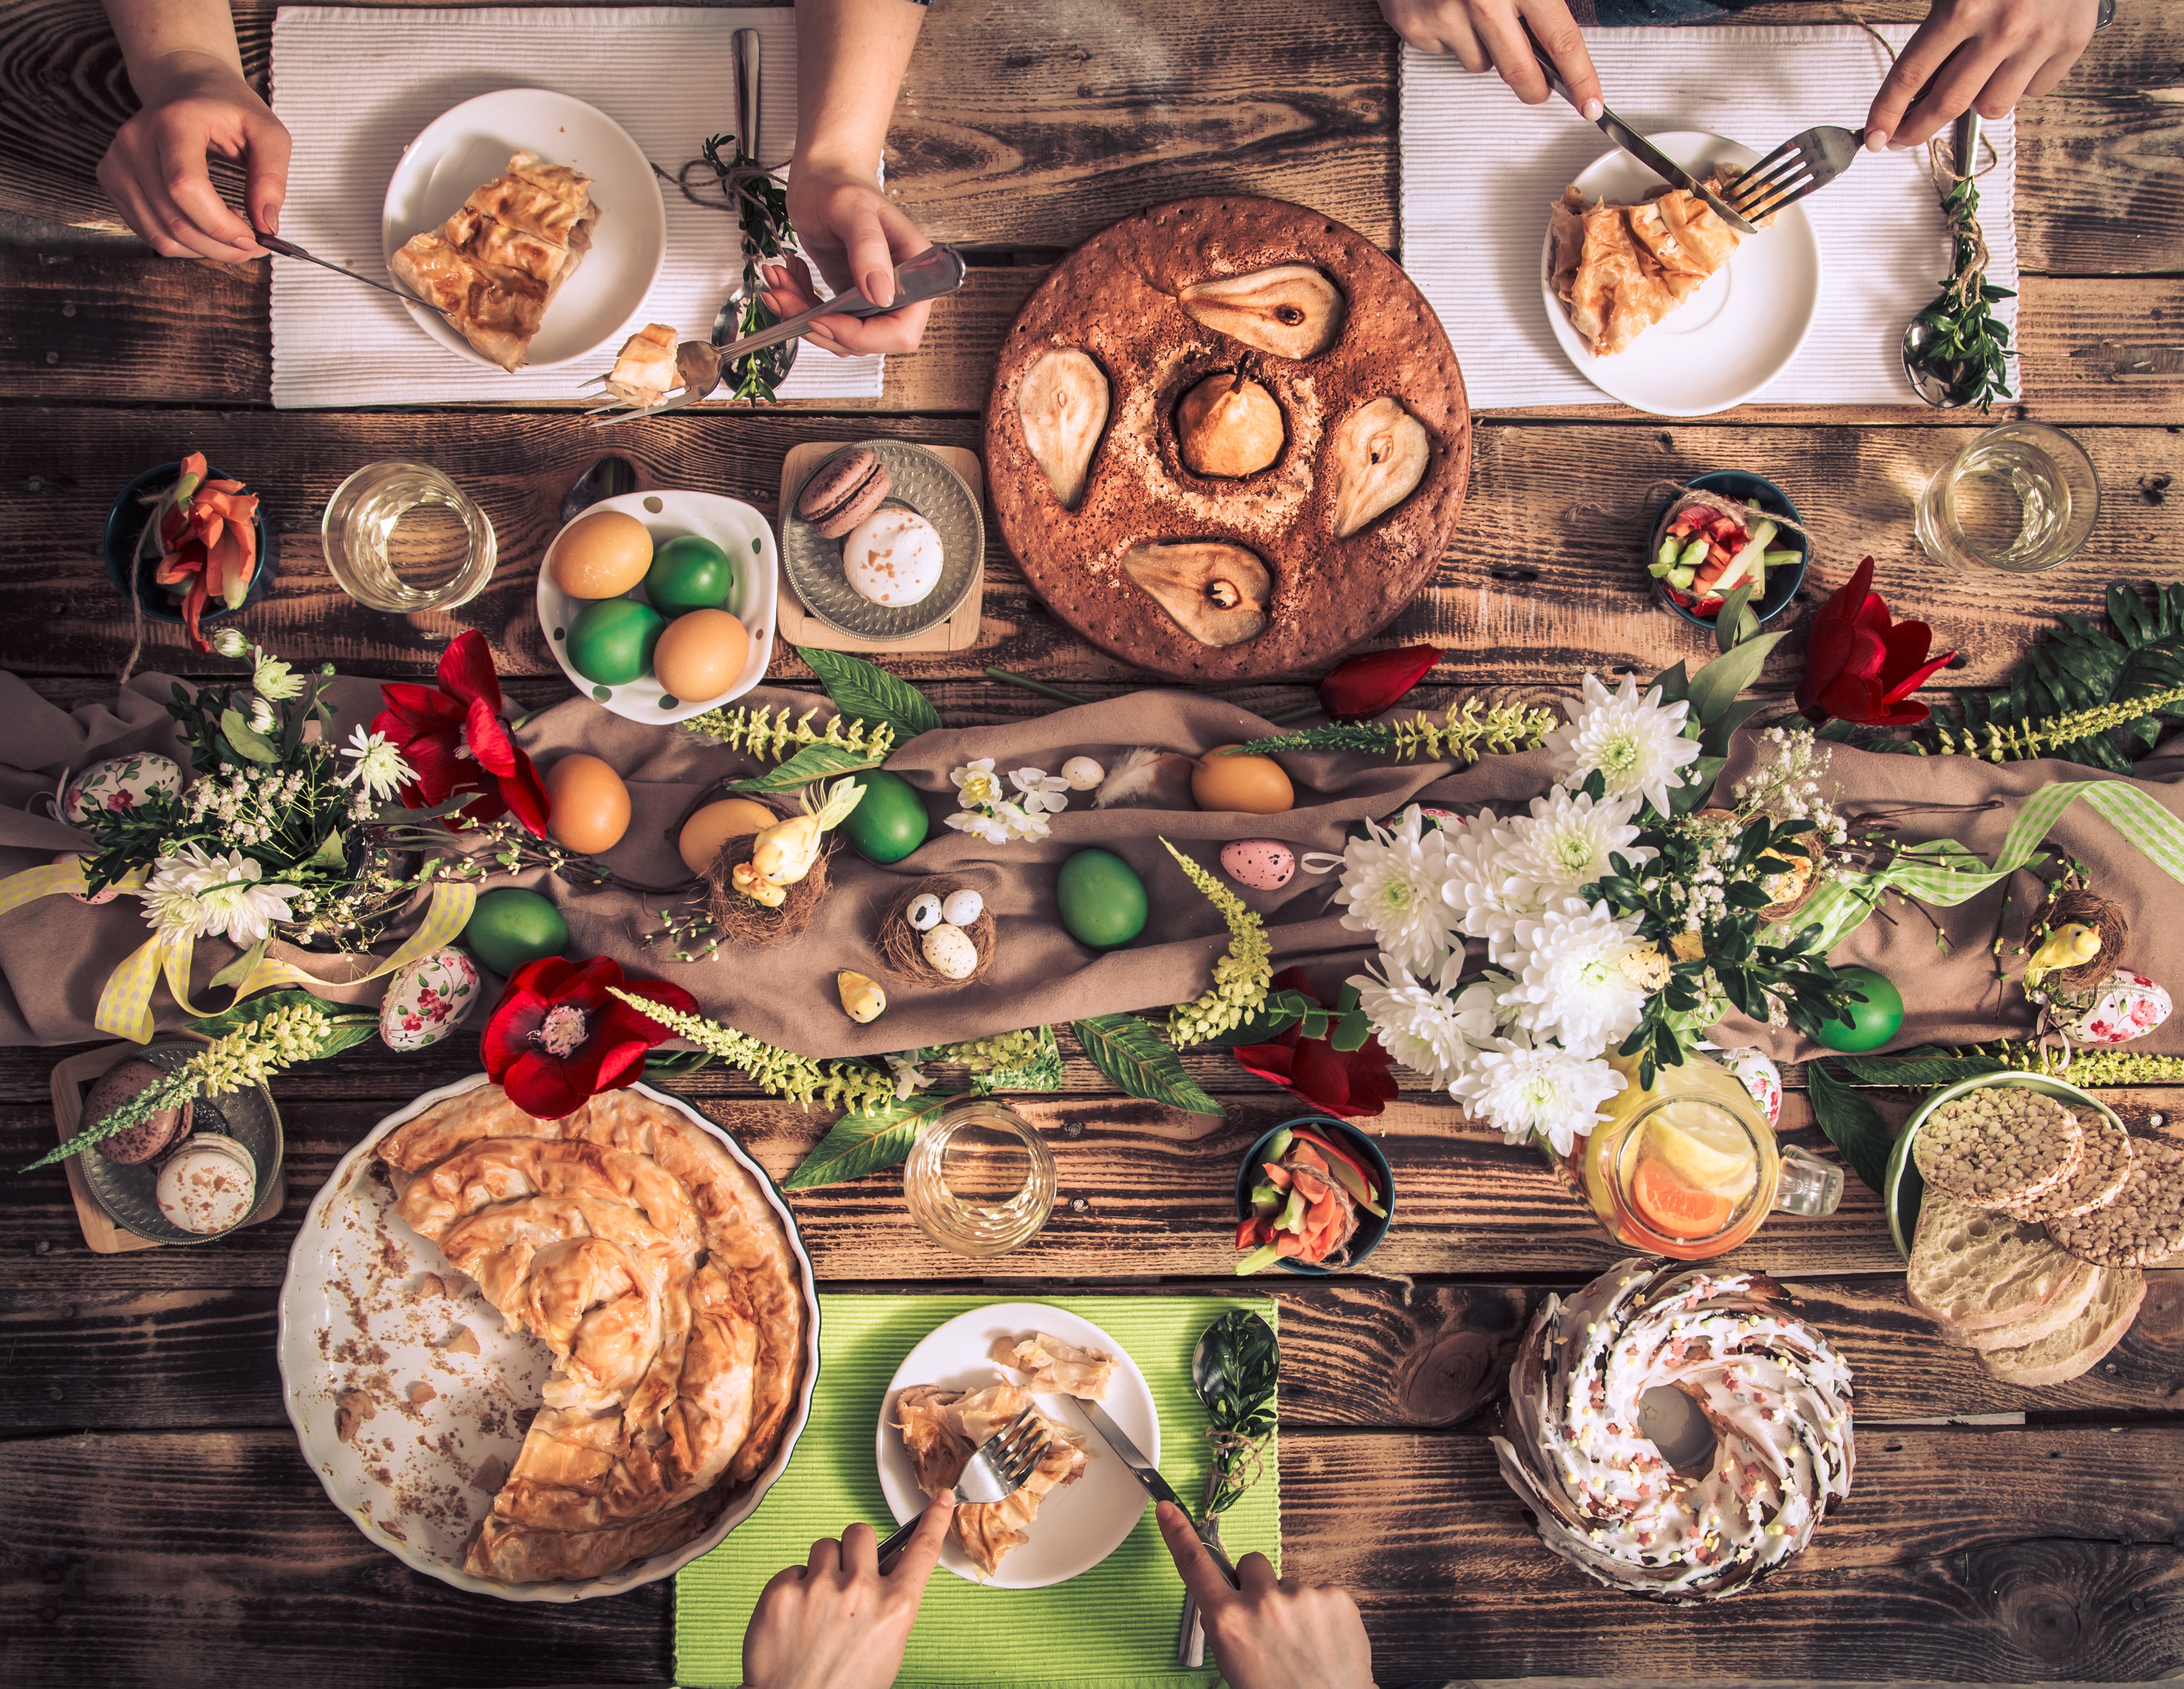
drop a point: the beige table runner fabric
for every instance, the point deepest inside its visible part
(1480, 171)
(356, 85)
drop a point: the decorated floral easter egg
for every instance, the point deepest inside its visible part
(119, 783)
(427, 999)
(105, 895)
(1761, 1077)
(950, 952)
(2124, 1006)
(1260, 864)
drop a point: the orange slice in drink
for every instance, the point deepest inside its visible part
(1675, 1208)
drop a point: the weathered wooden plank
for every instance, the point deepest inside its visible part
(1361, 1353)
(1543, 580)
(2004, 1555)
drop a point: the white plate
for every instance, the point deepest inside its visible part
(351, 1317)
(1730, 339)
(604, 299)
(737, 529)
(1077, 1526)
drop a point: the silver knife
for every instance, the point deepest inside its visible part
(1644, 150)
(1148, 1476)
(274, 243)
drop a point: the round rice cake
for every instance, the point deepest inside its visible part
(2144, 1226)
(2102, 1168)
(1999, 1146)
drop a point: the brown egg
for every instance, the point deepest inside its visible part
(1256, 785)
(601, 555)
(591, 805)
(704, 832)
(700, 655)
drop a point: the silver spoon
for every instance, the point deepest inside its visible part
(1929, 385)
(775, 362)
(1207, 1378)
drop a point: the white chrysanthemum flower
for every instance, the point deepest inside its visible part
(1432, 1032)
(1570, 984)
(262, 718)
(1524, 1090)
(200, 896)
(1041, 790)
(272, 679)
(376, 766)
(1566, 840)
(1392, 888)
(977, 785)
(231, 642)
(1637, 744)
(1485, 896)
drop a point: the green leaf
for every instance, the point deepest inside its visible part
(1918, 1067)
(1716, 687)
(235, 972)
(865, 1142)
(860, 688)
(396, 815)
(1729, 620)
(1852, 1124)
(1675, 686)
(1132, 1053)
(332, 851)
(813, 762)
(1698, 783)
(237, 732)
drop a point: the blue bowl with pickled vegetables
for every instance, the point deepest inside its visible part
(1353, 1160)
(1698, 569)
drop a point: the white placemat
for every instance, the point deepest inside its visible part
(356, 87)
(1480, 171)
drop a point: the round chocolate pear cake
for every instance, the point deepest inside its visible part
(1227, 439)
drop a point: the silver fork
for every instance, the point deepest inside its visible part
(1802, 165)
(995, 1471)
(933, 273)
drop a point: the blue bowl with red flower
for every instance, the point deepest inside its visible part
(1740, 487)
(124, 531)
(1364, 1152)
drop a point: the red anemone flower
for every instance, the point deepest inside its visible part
(456, 741)
(1345, 1083)
(1369, 685)
(1861, 666)
(557, 1037)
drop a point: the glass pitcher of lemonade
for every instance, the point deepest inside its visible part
(1689, 1168)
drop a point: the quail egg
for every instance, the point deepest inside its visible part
(1083, 774)
(950, 952)
(962, 907)
(925, 912)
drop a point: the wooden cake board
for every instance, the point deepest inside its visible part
(799, 626)
(71, 1079)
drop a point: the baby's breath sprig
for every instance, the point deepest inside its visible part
(250, 1055)
(1241, 978)
(838, 1084)
(1468, 731)
(772, 734)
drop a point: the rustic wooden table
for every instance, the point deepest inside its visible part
(157, 1523)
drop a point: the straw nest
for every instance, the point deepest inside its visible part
(1799, 880)
(902, 946)
(2068, 904)
(753, 926)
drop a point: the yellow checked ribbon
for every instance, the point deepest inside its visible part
(125, 1005)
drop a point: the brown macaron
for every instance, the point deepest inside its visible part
(844, 490)
(145, 1140)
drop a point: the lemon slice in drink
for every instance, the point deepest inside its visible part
(1705, 1147)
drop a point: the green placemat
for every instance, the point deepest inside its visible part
(1113, 1627)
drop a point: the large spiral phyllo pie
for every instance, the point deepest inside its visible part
(652, 1266)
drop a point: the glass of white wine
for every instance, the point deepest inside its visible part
(981, 1180)
(402, 537)
(2022, 497)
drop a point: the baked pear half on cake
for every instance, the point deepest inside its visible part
(1620, 269)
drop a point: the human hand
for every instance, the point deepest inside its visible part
(1268, 1635)
(837, 1622)
(1981, 55)
(857, 238)
(1490, 34)
(154, 170)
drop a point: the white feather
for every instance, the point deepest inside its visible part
(1132, 778)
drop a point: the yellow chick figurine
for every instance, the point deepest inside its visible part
(2067, 947)
(784, 852)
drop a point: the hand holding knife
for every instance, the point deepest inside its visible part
(1148, 1476)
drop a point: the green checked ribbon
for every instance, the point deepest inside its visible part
(1944, 872)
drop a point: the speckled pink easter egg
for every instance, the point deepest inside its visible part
(106, 896)
(1260, 864)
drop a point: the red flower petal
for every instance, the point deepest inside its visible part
(1269, 1062)
(466, 670)
(543, 1087)
(1369, 684)
(490, 746)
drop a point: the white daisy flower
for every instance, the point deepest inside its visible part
(1485, 895)
(977, 785)
(195, 895)
(1432, 1032)
(1637, 744)
(1524, 1091)
(1566, 840)
(1392, 888)
(376, 766)
(1569, 984)
(1041, 790)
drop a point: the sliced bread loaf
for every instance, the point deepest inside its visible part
(2064, 1306)
(2062, 1355)
(1974, 1268)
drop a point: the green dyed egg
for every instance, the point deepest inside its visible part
(611, 641)
(889, 822)
(510, 926)
(690, 573)
(1103, 901)
(1873, 1022)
